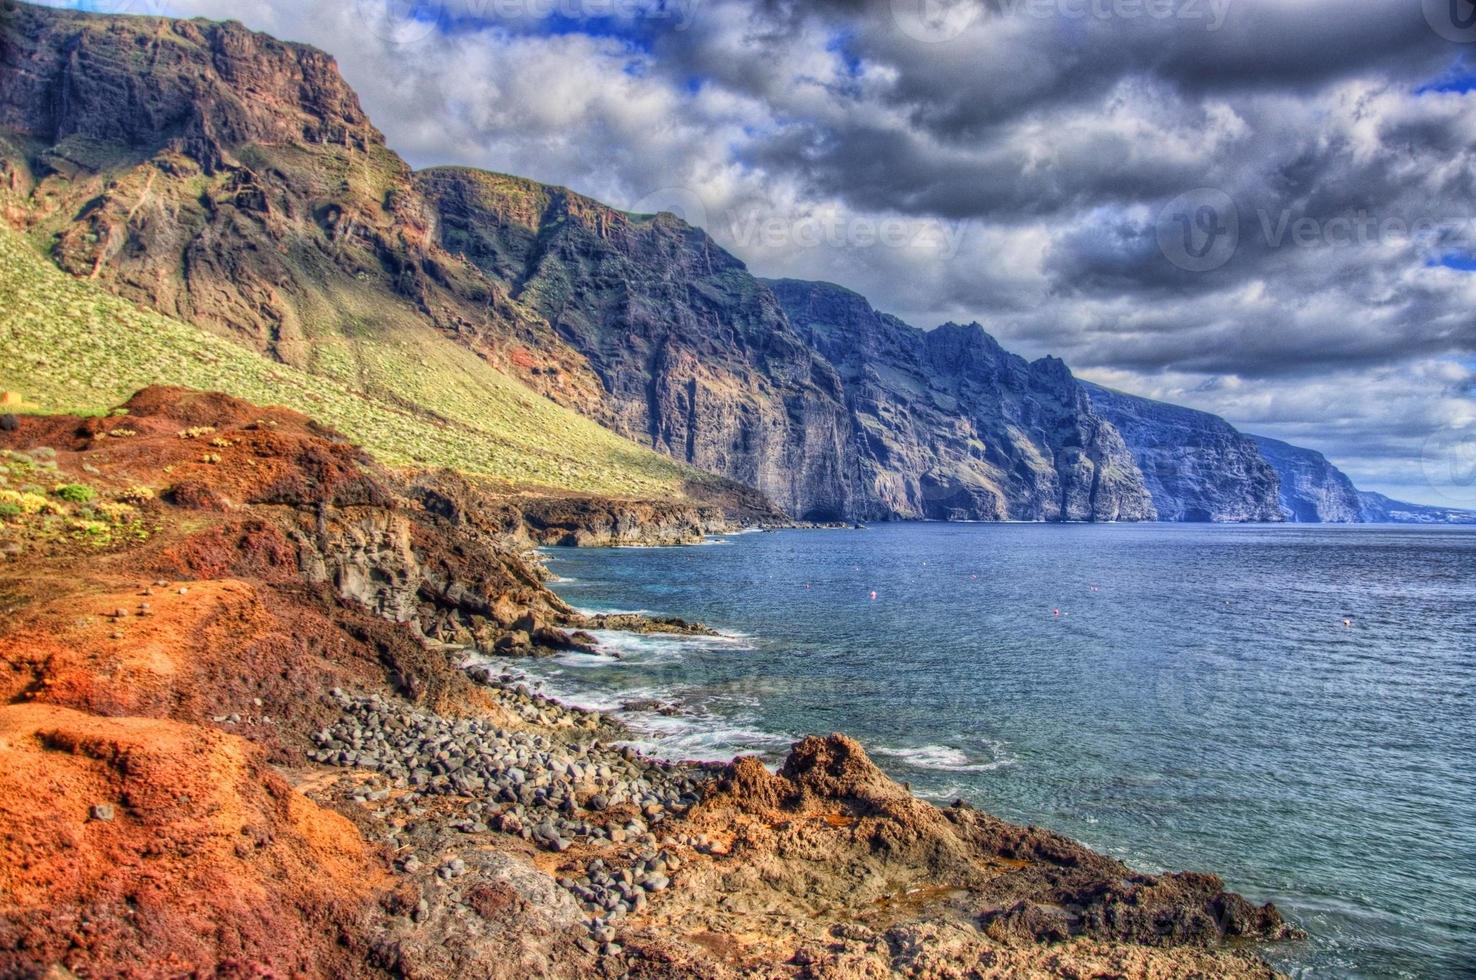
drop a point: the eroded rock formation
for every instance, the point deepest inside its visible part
(1197, 466)
(1312, 490)
(232, 742)
(947, 425)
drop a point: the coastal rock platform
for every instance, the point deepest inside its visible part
(255, 722)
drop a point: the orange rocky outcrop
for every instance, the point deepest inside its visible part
(139, 846)
(239, 737)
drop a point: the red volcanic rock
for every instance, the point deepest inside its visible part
(202, 862)
(144, 832)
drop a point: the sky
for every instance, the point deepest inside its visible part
(1259, 208)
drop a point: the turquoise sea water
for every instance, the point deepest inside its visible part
(1177, 696)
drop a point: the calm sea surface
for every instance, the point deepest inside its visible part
(1177, 696)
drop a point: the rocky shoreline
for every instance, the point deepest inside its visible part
(270, 724)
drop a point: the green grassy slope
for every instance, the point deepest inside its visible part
(410, 396)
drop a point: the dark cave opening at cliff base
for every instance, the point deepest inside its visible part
(824, 515)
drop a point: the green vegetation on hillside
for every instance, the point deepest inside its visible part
(40, 508)
(411, 396)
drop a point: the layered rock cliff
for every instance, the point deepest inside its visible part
(232, 180)
(1197, 466)
(695, 357)
(950, 426)
(1313, 491)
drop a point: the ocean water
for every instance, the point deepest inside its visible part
(1178, 696)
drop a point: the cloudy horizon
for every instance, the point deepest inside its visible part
(1258, 208)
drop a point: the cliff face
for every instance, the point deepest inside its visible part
(229, 179)
(1313, 491)
(695, 357)
(65, 83)
(1197, 466)
(950, 426)
(1375, 508)
(232, 180)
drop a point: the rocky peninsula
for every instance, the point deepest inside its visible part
(262, 716)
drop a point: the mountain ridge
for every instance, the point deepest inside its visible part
(231, 200)
(954, 425)
(1312, 489)
(232, 180)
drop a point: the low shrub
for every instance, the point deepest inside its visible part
(135, 495)
(28, 503)
(97, 531)
(115, 513)
(74, 493)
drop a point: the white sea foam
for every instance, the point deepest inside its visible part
(946, 792)
(646, 647)
(677, 725)
(592, 611)
(703, 737)
(946, 758)
(559, 684)
(670, 721)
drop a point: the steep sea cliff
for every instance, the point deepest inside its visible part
(948, 425)
(1197, 466)
(1312, 490)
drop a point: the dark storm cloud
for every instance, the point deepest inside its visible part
(956, 145)
(1017, 57)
